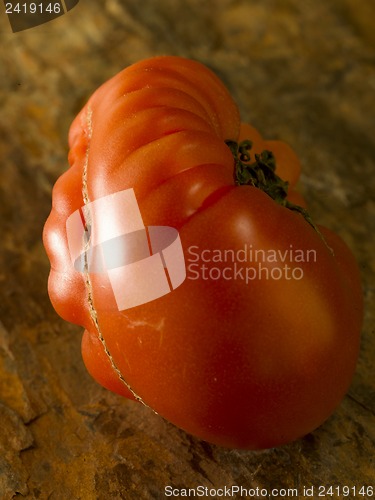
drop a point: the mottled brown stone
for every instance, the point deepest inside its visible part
(301, 71)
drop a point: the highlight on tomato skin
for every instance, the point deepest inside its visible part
(256, 346)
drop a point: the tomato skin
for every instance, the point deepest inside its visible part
(240, 363)
(282, 351)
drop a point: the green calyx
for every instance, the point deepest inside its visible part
(261, 173)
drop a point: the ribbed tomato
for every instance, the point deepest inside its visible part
(258, 343)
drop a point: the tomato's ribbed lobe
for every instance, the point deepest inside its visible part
(152, 122)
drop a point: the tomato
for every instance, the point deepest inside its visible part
(257, 345)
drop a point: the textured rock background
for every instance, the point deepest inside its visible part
(303, 72)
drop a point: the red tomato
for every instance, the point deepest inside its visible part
(258, 345)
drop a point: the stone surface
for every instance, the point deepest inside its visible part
(303, 72)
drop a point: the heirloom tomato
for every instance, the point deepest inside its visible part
(258, 344)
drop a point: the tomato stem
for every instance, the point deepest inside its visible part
(261, 173)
